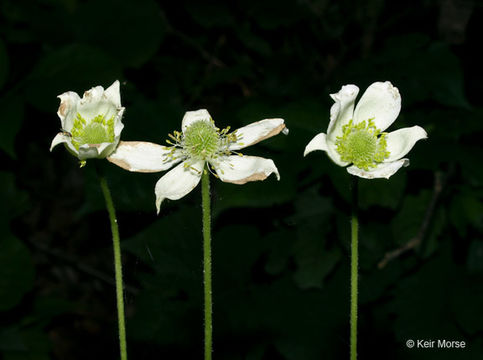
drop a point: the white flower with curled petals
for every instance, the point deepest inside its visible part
(357, 136)
(91, 126)
(200, 142)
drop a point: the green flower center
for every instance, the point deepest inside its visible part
(362, 144)
(201, 140)
(97, 131)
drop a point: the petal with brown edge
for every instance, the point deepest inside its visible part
(256, 132)
(242, 169)
(140, 156)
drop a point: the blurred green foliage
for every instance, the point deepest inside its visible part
(280, 249)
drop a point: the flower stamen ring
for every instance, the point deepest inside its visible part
(362, 144)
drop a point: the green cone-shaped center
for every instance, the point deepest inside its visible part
(96, 131)
(94, 134)
(201, 140)
(362, 144)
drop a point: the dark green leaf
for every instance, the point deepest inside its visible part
(11, 118)
(34, 344)
(13, 199)
(474, 261)
(16, 272)
(314, 265)
(3, 64)
(466, 210)
(130, 31)
(74, 67)
(210, 14)
(254, 194)
(382, 192)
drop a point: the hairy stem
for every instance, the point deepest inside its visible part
(117, 266)
(354, 269)
(205, 196)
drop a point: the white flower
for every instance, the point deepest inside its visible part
(91, 126)
(200, 142)
(356, 136)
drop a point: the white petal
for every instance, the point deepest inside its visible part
(342, 110)
(107, 148)
(68, 109)
(96, 102)
(90, 109)
(334, 155)
(178, 182)
(98, 151)
(383, 170)
(93, 95)
(90, 151)
(380, 102)
(141, 156)
(113, 94)
(401, 141)
(256, 132)
(242, 169)
(59, 139)
(192, 116)
(63, 138)
(118, 125)
(317, 143)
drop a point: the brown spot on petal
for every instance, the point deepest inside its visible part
(124, 164)
(119, 162)
(254, 177)
(274, 132)
(134, 143)
(64, 106)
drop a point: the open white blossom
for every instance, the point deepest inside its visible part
(200, 142)
(356, 136)
(91, 126)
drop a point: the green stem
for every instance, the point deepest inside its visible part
(117, 266)
(205, 198)
(354, 268)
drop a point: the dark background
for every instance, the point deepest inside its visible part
(280, 249)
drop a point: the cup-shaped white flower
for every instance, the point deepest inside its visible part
(91, 126)
(200, 142)
(357, 136)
